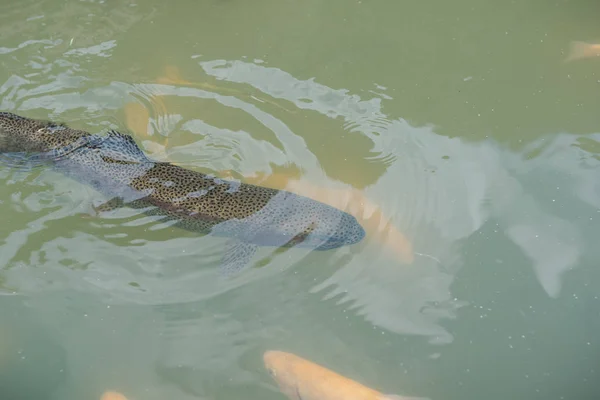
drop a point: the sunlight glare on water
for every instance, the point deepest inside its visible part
(456, 134)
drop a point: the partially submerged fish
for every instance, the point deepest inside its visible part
(300, 379)
(249, 215)
(579, 50)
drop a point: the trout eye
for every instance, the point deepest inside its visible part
(272, 372)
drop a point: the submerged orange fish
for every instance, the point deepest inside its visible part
(579, 50)
(300, 379)
(352, 201)
(110, 395)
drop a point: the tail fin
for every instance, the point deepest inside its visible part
(579, 50)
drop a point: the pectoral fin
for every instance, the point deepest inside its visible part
(237, 255)
(110, 205)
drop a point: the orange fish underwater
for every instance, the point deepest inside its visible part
(352, 201)
(110, 395)
(579, 50)
(300, 379)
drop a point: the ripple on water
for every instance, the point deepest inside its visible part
(437, 190)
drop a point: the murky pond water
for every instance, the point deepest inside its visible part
(456, 133)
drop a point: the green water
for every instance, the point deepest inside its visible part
(461, 120)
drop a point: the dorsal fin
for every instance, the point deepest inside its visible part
(122, 148)
(124, 136)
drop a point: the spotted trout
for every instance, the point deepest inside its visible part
(247, 215)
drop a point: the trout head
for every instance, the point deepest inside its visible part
(325, 228)
(20, 134)
(305, 223)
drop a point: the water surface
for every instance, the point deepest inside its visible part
(460, 122)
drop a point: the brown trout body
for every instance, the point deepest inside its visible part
(248, 215)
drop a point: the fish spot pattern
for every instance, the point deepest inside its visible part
(115, 165)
